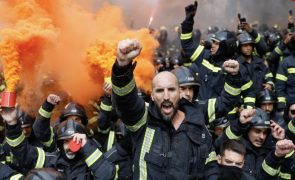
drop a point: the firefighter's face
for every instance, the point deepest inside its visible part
(74, 118)
(166, 94)
(267, 107)
(214, 47)
(257, 136)
(27, 131)
(247, 49)
(187, 92)
(231, 158)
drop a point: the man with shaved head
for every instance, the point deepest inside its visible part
(169, 137)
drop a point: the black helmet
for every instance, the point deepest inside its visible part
(266, 96)
(273, 39)
(45, 174)
(25, 119)
(261, 119)
(74, 109)
(227, 43)
(186, 77)
(221, 122)
(67, 128)
(245, 38)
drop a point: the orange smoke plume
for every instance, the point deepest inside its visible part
(62, 47)
(11, 66)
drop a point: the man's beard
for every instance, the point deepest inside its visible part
(167, 103)
(70, 156)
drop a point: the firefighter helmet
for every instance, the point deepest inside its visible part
(261, 119)
(245, 38)
(74, 109)
(227, 43)
(67, 128)
(266, 96)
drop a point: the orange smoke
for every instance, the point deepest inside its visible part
(61, 47)
(11, 66)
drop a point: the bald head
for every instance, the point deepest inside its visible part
(163, 78)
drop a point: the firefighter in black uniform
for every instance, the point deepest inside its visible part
(208, 63)
(260, 75)
(88, 162)
(162, 130)
(254, 128)
(285, 77)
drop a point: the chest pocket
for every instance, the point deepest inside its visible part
(199, 150)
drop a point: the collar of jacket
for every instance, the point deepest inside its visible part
(193, 115)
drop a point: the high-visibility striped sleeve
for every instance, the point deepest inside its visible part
(269, 170)
(41, 158)
(92, 158)
(211, 109)
(186, 36)
(15, 142)
(230, 134)
(197, 53)
(139, 124)
(122, 91)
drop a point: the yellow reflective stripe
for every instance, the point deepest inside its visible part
(1, 128)
(285, 175)
(278, 51)
(93, 157)
(231, 90)
(210, 66)
(211, 109)
(281, 58)
(17, 141)
(103, 131)
(44, 113)
(282, 99)
(249, 100)
(281, 77)
(247, 85)
(187, 64)
(49, 142)
(291, 127)
(146, 145)
(291, 70)
(197, 52)
(186, 36)
(230, 134)
(234, 111)
(3, 162)
(139, 124)
(269, 170)
(289, 154)
(41, 158)
(117, 170)
(269, 75)
(16, 177)
(111, 140)
(8, 158)
(122, 91)
(257, 39)
(106, 107)
(211, 157)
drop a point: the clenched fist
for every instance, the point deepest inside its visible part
(247, 115)
(53, 99)
(284, 147)
(231, 67)
(128, 50)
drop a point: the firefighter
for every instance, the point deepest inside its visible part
(267, 100)
(260, 75)
(285, 86)
(161, 130)
(78, 156)
(208, 63)
(256, 131)
(189, 83)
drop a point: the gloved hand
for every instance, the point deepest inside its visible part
(191, 10)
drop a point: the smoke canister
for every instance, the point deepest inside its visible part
(8, 99)
(74, 147)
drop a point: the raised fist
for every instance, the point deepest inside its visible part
(231, 67)
(53, 99)
(190, 10)
(128, 50)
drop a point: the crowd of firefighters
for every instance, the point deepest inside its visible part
(222, 106)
